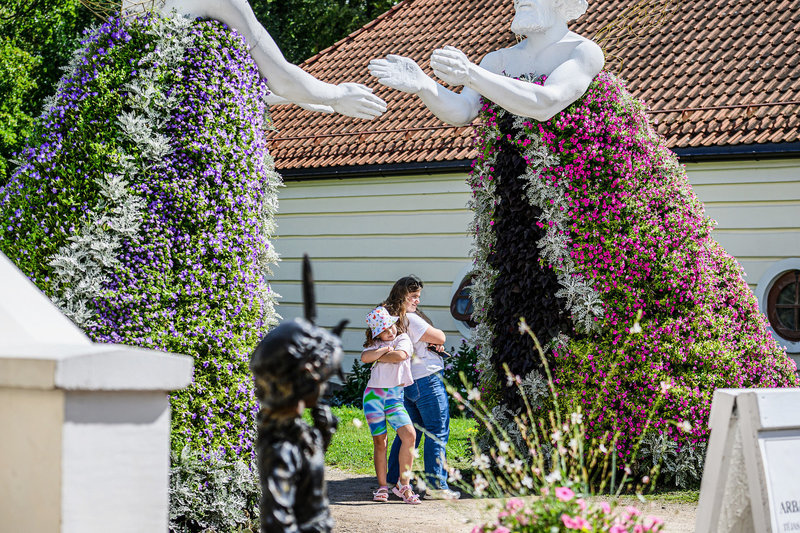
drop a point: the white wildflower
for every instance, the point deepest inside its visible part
(553, 476)
(527, 481)
(576, 418)
(415, 453)
(503, 446)
(357, 422)
(636, 328)
(603, 448)
(473, 394)
(455, 475)
(685, 426)
(481, 462)
(480, 484)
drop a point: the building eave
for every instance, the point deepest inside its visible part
(693, 154)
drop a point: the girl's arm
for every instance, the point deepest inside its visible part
(370, 356)
(395, 356)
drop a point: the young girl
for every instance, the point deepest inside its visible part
(390, 355)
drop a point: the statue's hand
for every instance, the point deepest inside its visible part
(399, 73)
(356, 100)
(451, 65)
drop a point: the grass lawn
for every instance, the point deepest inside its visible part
(351, 447)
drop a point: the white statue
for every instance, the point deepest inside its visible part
(569, 61)
(287, 82)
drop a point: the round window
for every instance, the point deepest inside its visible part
(783, 306)
(461, 303)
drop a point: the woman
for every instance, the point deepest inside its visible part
(426, 399)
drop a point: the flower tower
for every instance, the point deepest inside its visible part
(143, 206)
(586, 226)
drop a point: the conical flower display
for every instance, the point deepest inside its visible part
(587, 227)
(143, 206)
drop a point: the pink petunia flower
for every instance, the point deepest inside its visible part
(564, 494)
(514, 504)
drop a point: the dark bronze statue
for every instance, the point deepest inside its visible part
(291, 366)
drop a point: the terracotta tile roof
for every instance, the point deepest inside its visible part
(714, 73)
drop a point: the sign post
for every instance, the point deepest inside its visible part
(751, 479)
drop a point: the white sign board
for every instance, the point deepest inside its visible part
(751, 479)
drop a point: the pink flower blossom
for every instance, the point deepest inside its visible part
(564, 494)
(514, 504)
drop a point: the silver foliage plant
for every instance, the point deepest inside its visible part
(582, 300)
(82, 266)
(211, 496)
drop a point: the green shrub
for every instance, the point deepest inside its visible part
(352, 390)
(463, 362)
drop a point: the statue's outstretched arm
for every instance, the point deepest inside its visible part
(405, 75)
(565, 84)
(284, 79)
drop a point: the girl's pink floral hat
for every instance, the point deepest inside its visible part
(379, 320)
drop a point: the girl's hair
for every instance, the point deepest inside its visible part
(396, 302)
(370, 339)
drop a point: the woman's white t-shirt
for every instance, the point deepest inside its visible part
(388, 375)
(424, 362)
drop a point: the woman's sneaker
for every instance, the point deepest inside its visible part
(442, 494)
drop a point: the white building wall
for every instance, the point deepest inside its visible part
(362, 234)
(757, 207)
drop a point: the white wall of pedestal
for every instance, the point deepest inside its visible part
(364, 233)
(84, 444)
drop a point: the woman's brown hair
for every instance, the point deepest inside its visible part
(396, 302)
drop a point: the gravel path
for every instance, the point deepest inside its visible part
(355, 512)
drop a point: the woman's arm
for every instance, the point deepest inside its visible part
(433, 336)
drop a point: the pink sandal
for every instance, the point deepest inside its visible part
(406, 494)
(381, 495)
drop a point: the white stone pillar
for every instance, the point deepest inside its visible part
(84, 427)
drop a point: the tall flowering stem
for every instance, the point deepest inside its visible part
(144, 204)
(585, 225)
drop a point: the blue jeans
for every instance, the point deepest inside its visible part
(427, 405)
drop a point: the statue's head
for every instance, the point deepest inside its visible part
(534, 16)
(293, 362)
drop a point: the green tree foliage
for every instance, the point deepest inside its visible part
(16, 81)
(37, 38)
(304, 27)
